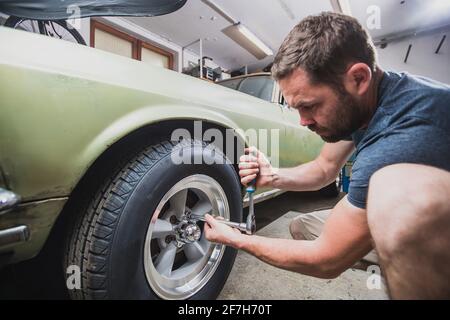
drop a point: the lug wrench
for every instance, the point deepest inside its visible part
(250, 226)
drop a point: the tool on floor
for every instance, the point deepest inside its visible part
(250, 226)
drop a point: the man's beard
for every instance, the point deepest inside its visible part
(349, 118)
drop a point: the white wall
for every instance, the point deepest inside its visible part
(83, 26)
(145, 35)
(422, 59)
(190, 56)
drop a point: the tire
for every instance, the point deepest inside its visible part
(14, 22)
(113, 242)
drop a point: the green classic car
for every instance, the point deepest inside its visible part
(86, 161)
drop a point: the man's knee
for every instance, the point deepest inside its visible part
(308, 226)
(299, 230)
(405, 201)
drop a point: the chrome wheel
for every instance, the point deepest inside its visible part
(178, 260)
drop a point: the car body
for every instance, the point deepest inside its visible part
(64, 106)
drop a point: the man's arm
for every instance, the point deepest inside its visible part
(345, 239)
(310, 176)
(318, 173)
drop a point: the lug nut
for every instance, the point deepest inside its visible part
(169, 239)
(173, 220)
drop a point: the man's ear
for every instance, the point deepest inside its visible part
(357, 79)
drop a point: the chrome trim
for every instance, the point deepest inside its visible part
(14, 235)
(257, 74)
(8, 200)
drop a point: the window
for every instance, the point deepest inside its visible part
(155, 56)
(260, 87)
(114, 44)
(109, 39)
(232, 84)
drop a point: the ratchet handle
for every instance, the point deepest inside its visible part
(251, 187)
(240, 226)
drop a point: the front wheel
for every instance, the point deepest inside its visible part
(140, 239)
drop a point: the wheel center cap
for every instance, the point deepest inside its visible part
(190, 232)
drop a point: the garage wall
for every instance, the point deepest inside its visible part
(191, 57)
(85, 29)
(138, 32)
(422, 59)
(146, 35)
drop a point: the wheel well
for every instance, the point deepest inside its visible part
(116, 155)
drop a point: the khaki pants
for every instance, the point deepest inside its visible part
(309, 227)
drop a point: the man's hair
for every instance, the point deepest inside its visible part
(324, 45)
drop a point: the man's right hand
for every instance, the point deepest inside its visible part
(253, 165)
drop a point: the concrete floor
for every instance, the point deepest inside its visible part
(255, 280)
(249, 279)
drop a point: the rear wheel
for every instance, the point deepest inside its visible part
(139, 240)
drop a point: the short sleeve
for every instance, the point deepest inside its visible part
(415, 140)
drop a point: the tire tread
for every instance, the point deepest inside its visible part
(90, 243)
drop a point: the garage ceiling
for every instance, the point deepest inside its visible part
(271, 21)
(402, 17)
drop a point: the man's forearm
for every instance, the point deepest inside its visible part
(292, 255)
(316, 174)
(306, 177)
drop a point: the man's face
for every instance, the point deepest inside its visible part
(333, 115)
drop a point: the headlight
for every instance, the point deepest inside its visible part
(8, 200)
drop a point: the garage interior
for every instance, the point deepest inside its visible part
(201, 40)
(406, 33)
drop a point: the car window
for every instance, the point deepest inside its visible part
(260, 87)
(232, 84)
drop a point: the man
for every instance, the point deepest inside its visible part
(400, 127)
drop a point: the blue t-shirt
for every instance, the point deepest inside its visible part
(411, 125)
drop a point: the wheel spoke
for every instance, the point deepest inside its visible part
(165, 260)
(178, 203)
(204, 242)
(161, 229)
(184, 270)
(201, 208)
(194, 251)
